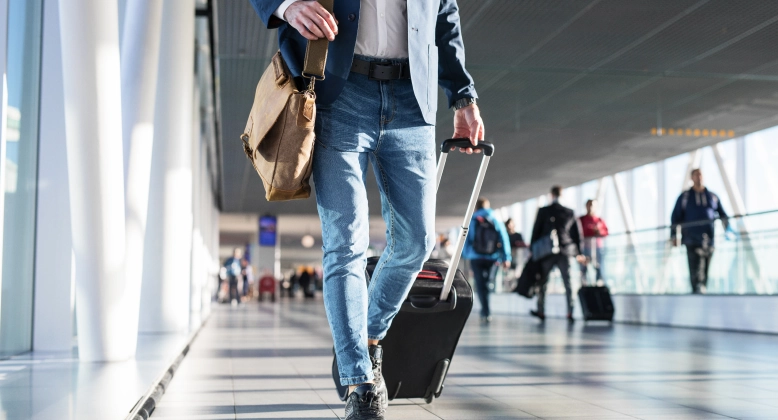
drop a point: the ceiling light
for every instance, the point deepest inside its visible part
(307, 241)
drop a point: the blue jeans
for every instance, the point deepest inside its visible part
(380, 123)
(482, 273)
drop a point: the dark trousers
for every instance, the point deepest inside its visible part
(562, 262)
(234, 289)
(482, 272)
(699, 263)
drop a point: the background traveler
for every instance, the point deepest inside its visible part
(487, 246)
(594, 230)
(692, 209)
(233, 272)
(561, 219)
(380, 89)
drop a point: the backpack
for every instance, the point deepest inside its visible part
(487, 239)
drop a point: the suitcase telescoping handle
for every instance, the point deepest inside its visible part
(488, 151)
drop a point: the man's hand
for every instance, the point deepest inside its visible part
(468, 124)
(506, 265)
(581, 259)
(312, 20)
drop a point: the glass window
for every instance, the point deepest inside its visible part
(24, 41)
(675, 173)
(645, 195)
(761, 172)
(712, 177)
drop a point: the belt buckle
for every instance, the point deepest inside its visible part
(372, 69)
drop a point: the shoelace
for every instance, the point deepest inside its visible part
(372, 406)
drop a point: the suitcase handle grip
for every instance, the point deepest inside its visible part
(449, 144)
(429, 304)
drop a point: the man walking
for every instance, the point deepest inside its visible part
(594, 230)
(487, 245)
(377, 104)
(695, 210)
(233, 268)
(558, 223)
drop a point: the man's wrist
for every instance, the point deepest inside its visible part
(463, 102)
(279, 13)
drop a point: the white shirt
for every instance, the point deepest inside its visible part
(383, 28)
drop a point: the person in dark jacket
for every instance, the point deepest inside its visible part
(694, 212)
(561, 219)
(483, 264)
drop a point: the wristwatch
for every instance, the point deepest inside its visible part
(463, 102)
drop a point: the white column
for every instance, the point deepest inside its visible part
(91, 69)
(140, 55)
(54, 300)
(3, 117)
(167, 250)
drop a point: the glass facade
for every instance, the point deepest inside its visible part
(23, 76)
(644, 262)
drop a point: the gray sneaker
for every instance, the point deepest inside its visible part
(376, 353)
(364, 404)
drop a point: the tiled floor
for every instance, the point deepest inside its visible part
(56, 386)
(272, 361)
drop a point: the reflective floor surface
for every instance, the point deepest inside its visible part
(272, 361)
(56, 386)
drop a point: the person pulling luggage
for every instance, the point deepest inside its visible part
(376, 105)
(555, 238)
(487, 247)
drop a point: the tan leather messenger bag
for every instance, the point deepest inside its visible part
(279, 138)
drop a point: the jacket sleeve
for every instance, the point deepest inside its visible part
(536, 228)
(722, 214)
(265, 10)
(452, 76)
(676, 217)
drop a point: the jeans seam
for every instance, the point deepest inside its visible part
(391, 101)
(390, 243)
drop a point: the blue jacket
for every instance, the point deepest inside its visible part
(697, 207)
(503, 254)
(435, 47)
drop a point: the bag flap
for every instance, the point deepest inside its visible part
(272, 95)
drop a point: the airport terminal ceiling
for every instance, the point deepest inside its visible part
(569, 90)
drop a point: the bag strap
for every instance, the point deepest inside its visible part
(316, 52)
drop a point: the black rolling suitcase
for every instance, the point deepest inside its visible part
(596, 303)
(420, 344)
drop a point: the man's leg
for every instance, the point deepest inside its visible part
(599, 259)
(481, 271)
(346, 132)
(708, 256)
(694, 267)
(404, 165)
(546, 264)
(563, 262)
(342, 204)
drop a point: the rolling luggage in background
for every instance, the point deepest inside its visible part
(420, 344)
(596, 303)
(529, 279)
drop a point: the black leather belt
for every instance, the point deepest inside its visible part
(376, 70)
